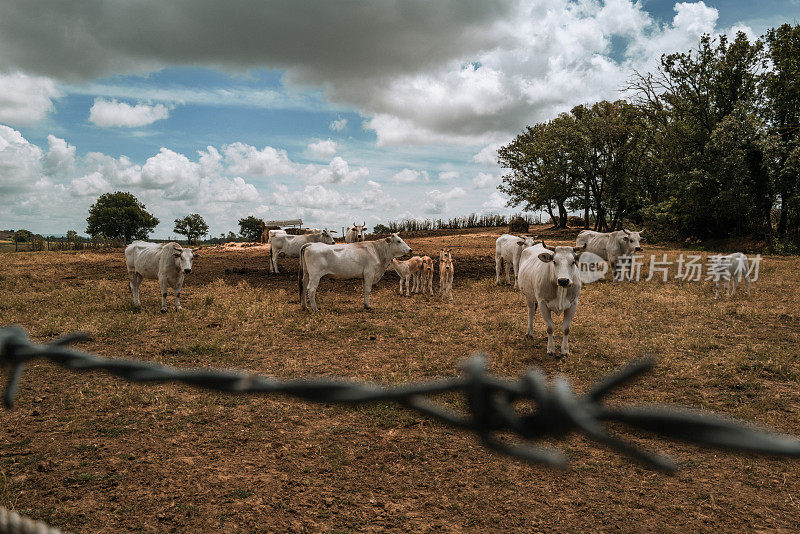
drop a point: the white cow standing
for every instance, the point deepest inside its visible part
(289, 246)
(168, 263)
(367, 260)
(611, 245)
(551, 281)
(508, 249)
(730, 269)
(355, 233)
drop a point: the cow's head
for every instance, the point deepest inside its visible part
(397, 247)
(327, 237)
(183, 258)
(526, 241)
(565, 263)
(359, 230)
(631, 241)
(445, 253)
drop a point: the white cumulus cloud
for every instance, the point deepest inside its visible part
(407, 176)
(484, 181)
(111, 113)
(437, 202)
(338, 125)
(323, 149)
(26, 99)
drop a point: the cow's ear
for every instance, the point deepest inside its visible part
(176, 254)
(388, 239)
(520, 242)
(546, 257)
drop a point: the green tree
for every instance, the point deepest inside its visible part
(783, 90)
(541, 176)
(72, 236)
(686, 101)
(22, 236)
(193, 226)
(251, 228)
(120, 215)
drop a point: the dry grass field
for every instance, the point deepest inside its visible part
(92, 453)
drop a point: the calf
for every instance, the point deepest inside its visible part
(367, 260)
(550, 280)
(610, 246)
(408, 271)
(730, 269)
(168, 263)
(446, 275)
(426, 276)
(507, 250)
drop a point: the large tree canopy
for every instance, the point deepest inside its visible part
(709, 146)
(119, 215)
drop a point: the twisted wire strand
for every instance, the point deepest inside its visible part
(490, 413)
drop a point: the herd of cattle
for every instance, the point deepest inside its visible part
(548, 277)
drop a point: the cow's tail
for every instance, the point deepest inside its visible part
(301, 272)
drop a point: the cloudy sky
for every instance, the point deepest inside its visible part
(330, 111)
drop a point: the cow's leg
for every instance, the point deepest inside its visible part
(164, 284)
(178, 287)
(569, 313)
(135, 280)
(548, 321)
(508, 272)
(734, 282)
(311, 291)
(747, 284)
(273, 260)
(531, 304)
(430, 283)
(716, 293)
(612, 263)
(516, 273)
(367, 289)
(498, 267)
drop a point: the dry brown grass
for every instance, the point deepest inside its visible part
(92, 453)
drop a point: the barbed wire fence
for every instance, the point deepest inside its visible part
(495, 407)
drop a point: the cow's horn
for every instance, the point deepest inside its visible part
(551, 249)
(626, 231)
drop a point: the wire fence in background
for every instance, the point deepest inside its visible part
(495, 407)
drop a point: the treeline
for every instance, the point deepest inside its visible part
(472, 220)
(708, 146)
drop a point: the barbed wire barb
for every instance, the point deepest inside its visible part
(490, 411)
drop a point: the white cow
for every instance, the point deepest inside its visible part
(508, 249)
(355, 233)
(610, 246)
(271, 234)
(168, 263)
(367, 260)
(731, 268)
(550, 280)
(288, 246)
